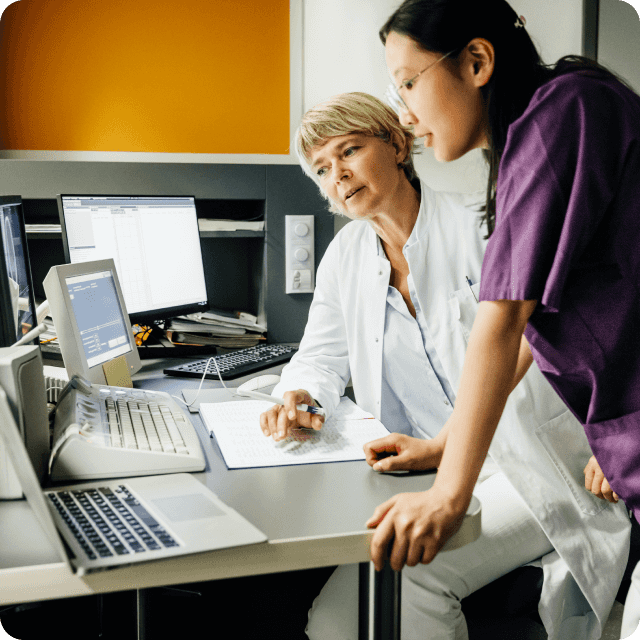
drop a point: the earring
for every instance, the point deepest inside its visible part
(520, 23)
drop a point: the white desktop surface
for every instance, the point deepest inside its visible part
(313, 515)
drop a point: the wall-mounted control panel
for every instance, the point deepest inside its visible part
(299, 254)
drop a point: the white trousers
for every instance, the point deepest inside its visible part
(631, 613)
(431, 594)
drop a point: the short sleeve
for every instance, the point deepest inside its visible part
(558, 175)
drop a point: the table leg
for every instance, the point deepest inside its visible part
(142, 611)
(379, 603)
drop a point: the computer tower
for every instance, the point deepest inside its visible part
(22, 379)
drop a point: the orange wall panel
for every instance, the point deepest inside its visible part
(195, 76)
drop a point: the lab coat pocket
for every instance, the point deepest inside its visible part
(464, 306)
(567, 446)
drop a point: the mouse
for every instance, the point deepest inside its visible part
(259, 382)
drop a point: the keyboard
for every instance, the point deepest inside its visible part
(98, 516)
(237, 363)
(115, 432)
(55, 380)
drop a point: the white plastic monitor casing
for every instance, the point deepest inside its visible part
(22, 380)
(69, 337)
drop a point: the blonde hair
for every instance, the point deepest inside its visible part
(348, 113)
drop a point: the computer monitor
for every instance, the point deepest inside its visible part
(17, 303)
(90, 317)
(154, 242)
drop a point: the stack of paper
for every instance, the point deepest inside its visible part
(236, 427)
(217, 327)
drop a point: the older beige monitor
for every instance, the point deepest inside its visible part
(91, 319)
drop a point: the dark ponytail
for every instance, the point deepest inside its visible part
(441, 26)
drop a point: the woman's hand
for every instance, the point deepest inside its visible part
(279, 420)
(595, 482)
(397, 452)
(417, 525)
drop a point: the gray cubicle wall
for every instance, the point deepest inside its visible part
(242, 270)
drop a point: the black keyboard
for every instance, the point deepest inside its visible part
(237, 363)
(104, 525)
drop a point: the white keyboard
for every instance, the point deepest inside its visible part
(115, 432)
(55, 380)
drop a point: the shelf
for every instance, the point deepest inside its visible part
(239, 233)
(44, 234)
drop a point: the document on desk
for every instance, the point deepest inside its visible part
(236, 427)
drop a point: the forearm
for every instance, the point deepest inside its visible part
(488, 376)
(524, 361)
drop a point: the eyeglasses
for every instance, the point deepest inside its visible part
(392, 94)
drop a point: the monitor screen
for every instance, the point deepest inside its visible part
(89, 313)
(154, 242)
(99, 317)
(17, 315)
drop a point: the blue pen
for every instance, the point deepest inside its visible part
(470, 289)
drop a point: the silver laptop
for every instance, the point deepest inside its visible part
(119, 522)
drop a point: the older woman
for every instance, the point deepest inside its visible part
(395, 299)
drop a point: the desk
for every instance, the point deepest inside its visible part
(313, 516)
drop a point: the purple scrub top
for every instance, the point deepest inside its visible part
(568, 235)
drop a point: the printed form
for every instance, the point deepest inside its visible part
(236, 427)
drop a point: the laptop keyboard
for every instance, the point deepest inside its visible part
(108, 522)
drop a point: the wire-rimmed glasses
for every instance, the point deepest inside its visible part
(392, 94)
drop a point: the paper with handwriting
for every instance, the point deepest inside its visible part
(236, 427)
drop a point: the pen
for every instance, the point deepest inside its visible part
(300, 407)
(470, 289)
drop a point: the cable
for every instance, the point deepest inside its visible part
(206, 368)
(34, 333)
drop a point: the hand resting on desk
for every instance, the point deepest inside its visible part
(413, 526)
(399, 452)
(279, 421)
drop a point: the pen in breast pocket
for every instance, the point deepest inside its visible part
(473, 293)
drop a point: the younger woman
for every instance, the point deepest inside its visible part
(562, 264)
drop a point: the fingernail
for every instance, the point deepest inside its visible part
(292, 415)
(376, 466)
(280, 434)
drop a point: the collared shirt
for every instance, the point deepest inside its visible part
(417, 398)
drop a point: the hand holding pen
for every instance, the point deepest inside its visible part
(298, 410)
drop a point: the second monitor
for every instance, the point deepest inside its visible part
(154, 242)
(90, 316)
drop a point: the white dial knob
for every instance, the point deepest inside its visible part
(301, 254)
(301, 229)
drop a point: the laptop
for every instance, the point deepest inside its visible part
(112, 523)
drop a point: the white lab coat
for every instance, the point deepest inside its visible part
(539, 445)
